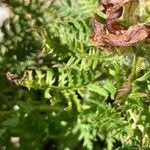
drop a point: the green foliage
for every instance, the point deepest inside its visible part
(57, 87)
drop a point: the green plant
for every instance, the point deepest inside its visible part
(60, 88)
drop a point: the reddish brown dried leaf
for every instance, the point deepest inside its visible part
(13, 78)
(107, 2)
(96, 36)
(124, 90)
(133, 35)
(112, 15)
(120, 36)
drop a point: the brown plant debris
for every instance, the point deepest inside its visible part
(15, 79)
(124, 90)
(112, 33)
